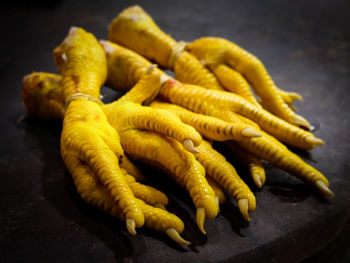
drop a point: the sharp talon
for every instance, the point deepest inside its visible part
(301, 121)
(218, 202)
(243, 208)
(130, 225)
(314, 140)
(321, 186)
(189, 146)
(150, 69)
(200, 216)
(257, 180)
(295, 96)
(249, 132)
(174, 235)
(160, 205)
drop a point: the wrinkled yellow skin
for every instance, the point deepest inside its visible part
(175, 92)
(232, 81)
(87, 137)
(82, 64)
(268, 148)
(195, 98)
(210, 127)
(188, 173)
(132, 65)
(220, 51)
(169, 155)
(224, 174)
(96, 194)
(212, 103)
(135, 29)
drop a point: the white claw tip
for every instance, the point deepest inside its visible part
(243, 208)
(321, 186)
(174, 235)
(131, 225)
(200, 217)
(189, 146)
(257, 180)
(249, 132)
(313, 140)
(301, 121)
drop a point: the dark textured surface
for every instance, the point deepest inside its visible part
(306, 47)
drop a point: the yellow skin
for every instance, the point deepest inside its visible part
(87, 136)
(96, 194)
(231, 184)
(192, 97)
(219, 51)
(159, 149)
(234, 82)
(42, 93)
(251, 162)
(126, 68)
(135, 29)
(226, 176)
(209, 102)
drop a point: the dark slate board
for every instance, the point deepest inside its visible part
(306, 47)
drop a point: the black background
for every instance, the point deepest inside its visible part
(305, 46)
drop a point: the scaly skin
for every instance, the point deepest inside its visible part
(120, 59)
(184, 96)
(135, 29)
(226, 176)
(232, 81)
(168, 155)
(82, 64)
(89, 138)
(217, 51)
(195, 178)
(268, 148)
(94, 193)
(195, 98)
(251, 162)
(210, 127)
(128, 113)
(86, 135)
(175, 92)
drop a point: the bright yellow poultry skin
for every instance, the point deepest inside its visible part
(87, 137)
(210, 102)
(166, 152)
(47, 103)
(135, 29)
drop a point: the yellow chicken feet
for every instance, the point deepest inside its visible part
(94, 193)
(219, 51)
(210, 127)
(226, 176)
(135, 29)
(169, 155)
(87, 136)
